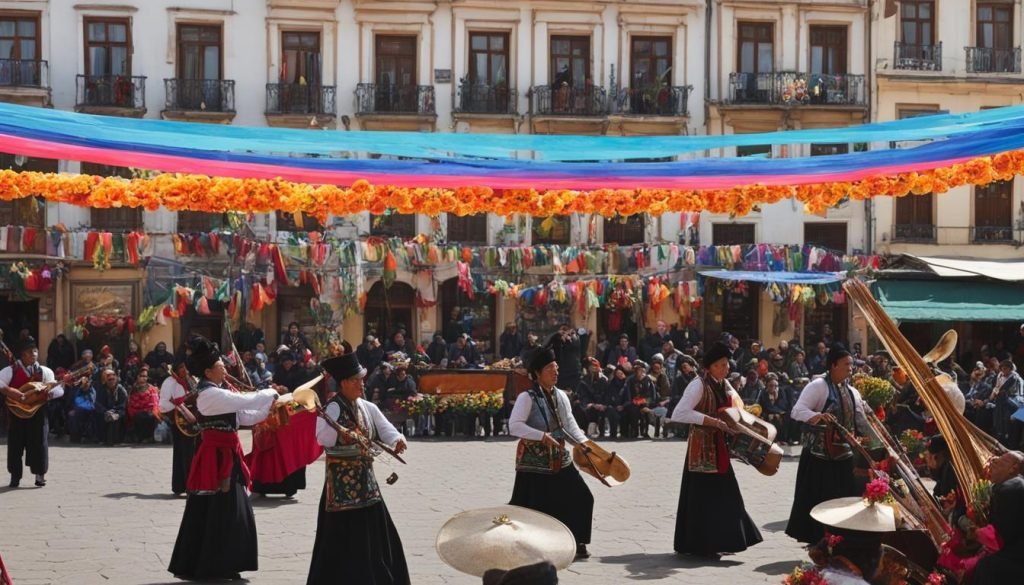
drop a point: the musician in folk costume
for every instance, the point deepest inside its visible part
(173, 390)
(546, 479)
(711, 518)
(217, 537)
(826, 463)
(27, 436)
(356, 541)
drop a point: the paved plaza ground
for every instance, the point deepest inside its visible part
(106, 516)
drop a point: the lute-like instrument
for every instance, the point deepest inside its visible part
(37, 393)
(185, 419)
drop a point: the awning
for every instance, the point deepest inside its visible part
(779, 277)
(947, 300)
(1011, 270)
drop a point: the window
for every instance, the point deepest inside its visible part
(757, 150)
(20, 50)
(995, 25)
(993, 212)
(829, 149)
(470, 229)
(199, 52)
(291, 222)
(828, 50)
(396, 60)
(108, 47)
(190, 222)
(300, 59)
(831, 235)
(731, 234)
(756, 50)
(914, 218)
(625, 231)
(917, 22)
(650, 62)
(488, 58)
(570, 61)
(551, 230)
(401, 225)
(117, 219)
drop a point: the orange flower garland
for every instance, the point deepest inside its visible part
(178, 192)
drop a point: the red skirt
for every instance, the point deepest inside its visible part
(278, 453)
(214, 460)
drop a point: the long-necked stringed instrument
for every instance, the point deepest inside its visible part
(37, 393)
(185, 418)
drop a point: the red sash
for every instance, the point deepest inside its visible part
(214, 460)
(20, 375)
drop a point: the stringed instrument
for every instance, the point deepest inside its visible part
(37, 393)
(752, 440)
(186, 418)
(609, 468)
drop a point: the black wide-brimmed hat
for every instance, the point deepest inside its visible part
(343, 367)
(718, 351)
(540, 358)
(205, 354)
(836, 353)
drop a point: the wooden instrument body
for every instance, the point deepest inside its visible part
(752, 440)
(37, 393)
(186, 414)
(609, 468)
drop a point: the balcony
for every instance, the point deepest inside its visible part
(298, 105)
(788, 88)
(481, 98)
(986, 60)
(25, 82)
(396, 107)
(914, 232)
(917, 57)
(200, 100)
(663, 100)
(118, 95)
(568, 101)
(989, 234)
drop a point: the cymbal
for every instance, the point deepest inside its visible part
(855, 514)
(943, 349)
(504, 537)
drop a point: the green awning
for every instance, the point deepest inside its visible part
(946, 300)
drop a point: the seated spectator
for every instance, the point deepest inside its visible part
(775, 408)
(752, 388)
(294, 338)
(132, 362)
(143, 411)
(399, 344)
(510, 345)
(437, 351)
(370, 353)
(463, 354)
(622, 352)
(111, 403)
(597, 401)
(81, 416)
(258, 371)
(378, 383)
(798, 368)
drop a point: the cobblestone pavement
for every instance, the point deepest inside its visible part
(106, 516)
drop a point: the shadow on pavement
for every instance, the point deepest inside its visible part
(662, 565)
(272, 502)
(779, 568)
(777, 526)
(137, 496)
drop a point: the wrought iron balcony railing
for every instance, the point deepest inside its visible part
(112, 91)
(567, 100)
(917, 57)
(992, 233)
(664, 100)
(986, 60)
(372, 98)
(794, 88)
(914, 232)
(482, 98)
(300, 98)
(200, 95)
(24, 73)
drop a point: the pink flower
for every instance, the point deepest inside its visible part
(877, 491)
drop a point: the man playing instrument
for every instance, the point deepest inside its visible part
(711, 518)
(217, 537)
(354, 531)
(172, 394)
(27, 436)
(826, 463)
(546, 479)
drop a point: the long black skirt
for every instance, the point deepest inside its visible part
(357, 546)
(711, 518)
(184, 449)
(817, 481)
(563, 495)
(291, 484)
(217, 538)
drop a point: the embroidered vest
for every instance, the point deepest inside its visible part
(823, 441)
(20, 375)
(219, 422)
(351, 483)
(545, 416)
(707, 452)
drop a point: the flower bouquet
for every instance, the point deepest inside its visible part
(878, 393)
(879, 491)
(805, 574)
(914, 443)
